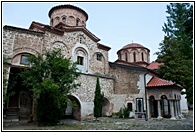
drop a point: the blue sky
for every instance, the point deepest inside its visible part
(115, 23)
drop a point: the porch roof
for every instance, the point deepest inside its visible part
(155, 82)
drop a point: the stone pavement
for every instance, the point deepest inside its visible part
(108, 123)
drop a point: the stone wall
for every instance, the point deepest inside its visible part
(16, 41)
(71, 41)
(86, 92)
(125, 80)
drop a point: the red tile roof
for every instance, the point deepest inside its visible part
(155, 81)
(133, 45)
(154, 65)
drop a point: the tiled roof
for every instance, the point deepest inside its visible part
(61, 28)
(155, 82)
(133, 45)
(67, 6)
(154, 65)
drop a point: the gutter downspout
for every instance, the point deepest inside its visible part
(145, 96)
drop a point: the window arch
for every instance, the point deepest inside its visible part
(77, 22)
(81, 58)
(57, 18)
(134, 56)
(99, 56)
(51, 22)
(142, 54)
(165, 106)
(130, 106)
(126, 56)
(64, 20)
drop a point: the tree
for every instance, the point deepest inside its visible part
(98, 99)
(7, 84)
(176, 50)
(51, 77)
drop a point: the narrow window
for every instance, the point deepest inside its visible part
(126, 57)
(80, 60)
(134, 57)
(99, 56)
(24, 60)
(129, 106)
(64, 20)
(139, 105)
(119, 56)
(142, 56)
(77, 21)
(80, 39)
(51, 22)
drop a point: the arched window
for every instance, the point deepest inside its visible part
(77, 22)
(126, 56)
(57, 18)
(81, 57)
(119, 56)
(64, 20)
(51, 22)
(99, 56)
(142, 56)
(130, 106)
(24, 60)
(134, 57)
(165, 106)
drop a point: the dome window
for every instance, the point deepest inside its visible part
(134, 57)
(64, 20)
(142, 56)
(77, 22)
(126, 57)
(51, 22)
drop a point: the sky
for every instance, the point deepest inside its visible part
(115, 23)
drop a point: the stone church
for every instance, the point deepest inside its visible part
(130, 81)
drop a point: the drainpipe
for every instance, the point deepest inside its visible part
(145, 96)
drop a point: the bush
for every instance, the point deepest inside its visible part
(48, 113)
(124, 112)
(120, 113)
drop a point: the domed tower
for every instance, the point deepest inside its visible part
(134, 53)
(68, 15)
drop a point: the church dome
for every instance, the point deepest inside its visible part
(67, 14)
(134, 53)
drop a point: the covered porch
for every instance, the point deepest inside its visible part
(163, 99)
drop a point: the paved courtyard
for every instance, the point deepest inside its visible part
(111, 123)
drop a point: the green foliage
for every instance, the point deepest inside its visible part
(98, 99)
(12, 82)
(120, 113)
(51, 77)
(176, 50)
(124, 112)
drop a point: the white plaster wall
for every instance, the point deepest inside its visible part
(86, 109)
(148, 78)
(183, 103)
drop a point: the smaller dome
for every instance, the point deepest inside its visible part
(133, 45)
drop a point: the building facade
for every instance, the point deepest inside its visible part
(129, 81)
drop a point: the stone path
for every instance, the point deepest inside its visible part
(108, 123)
